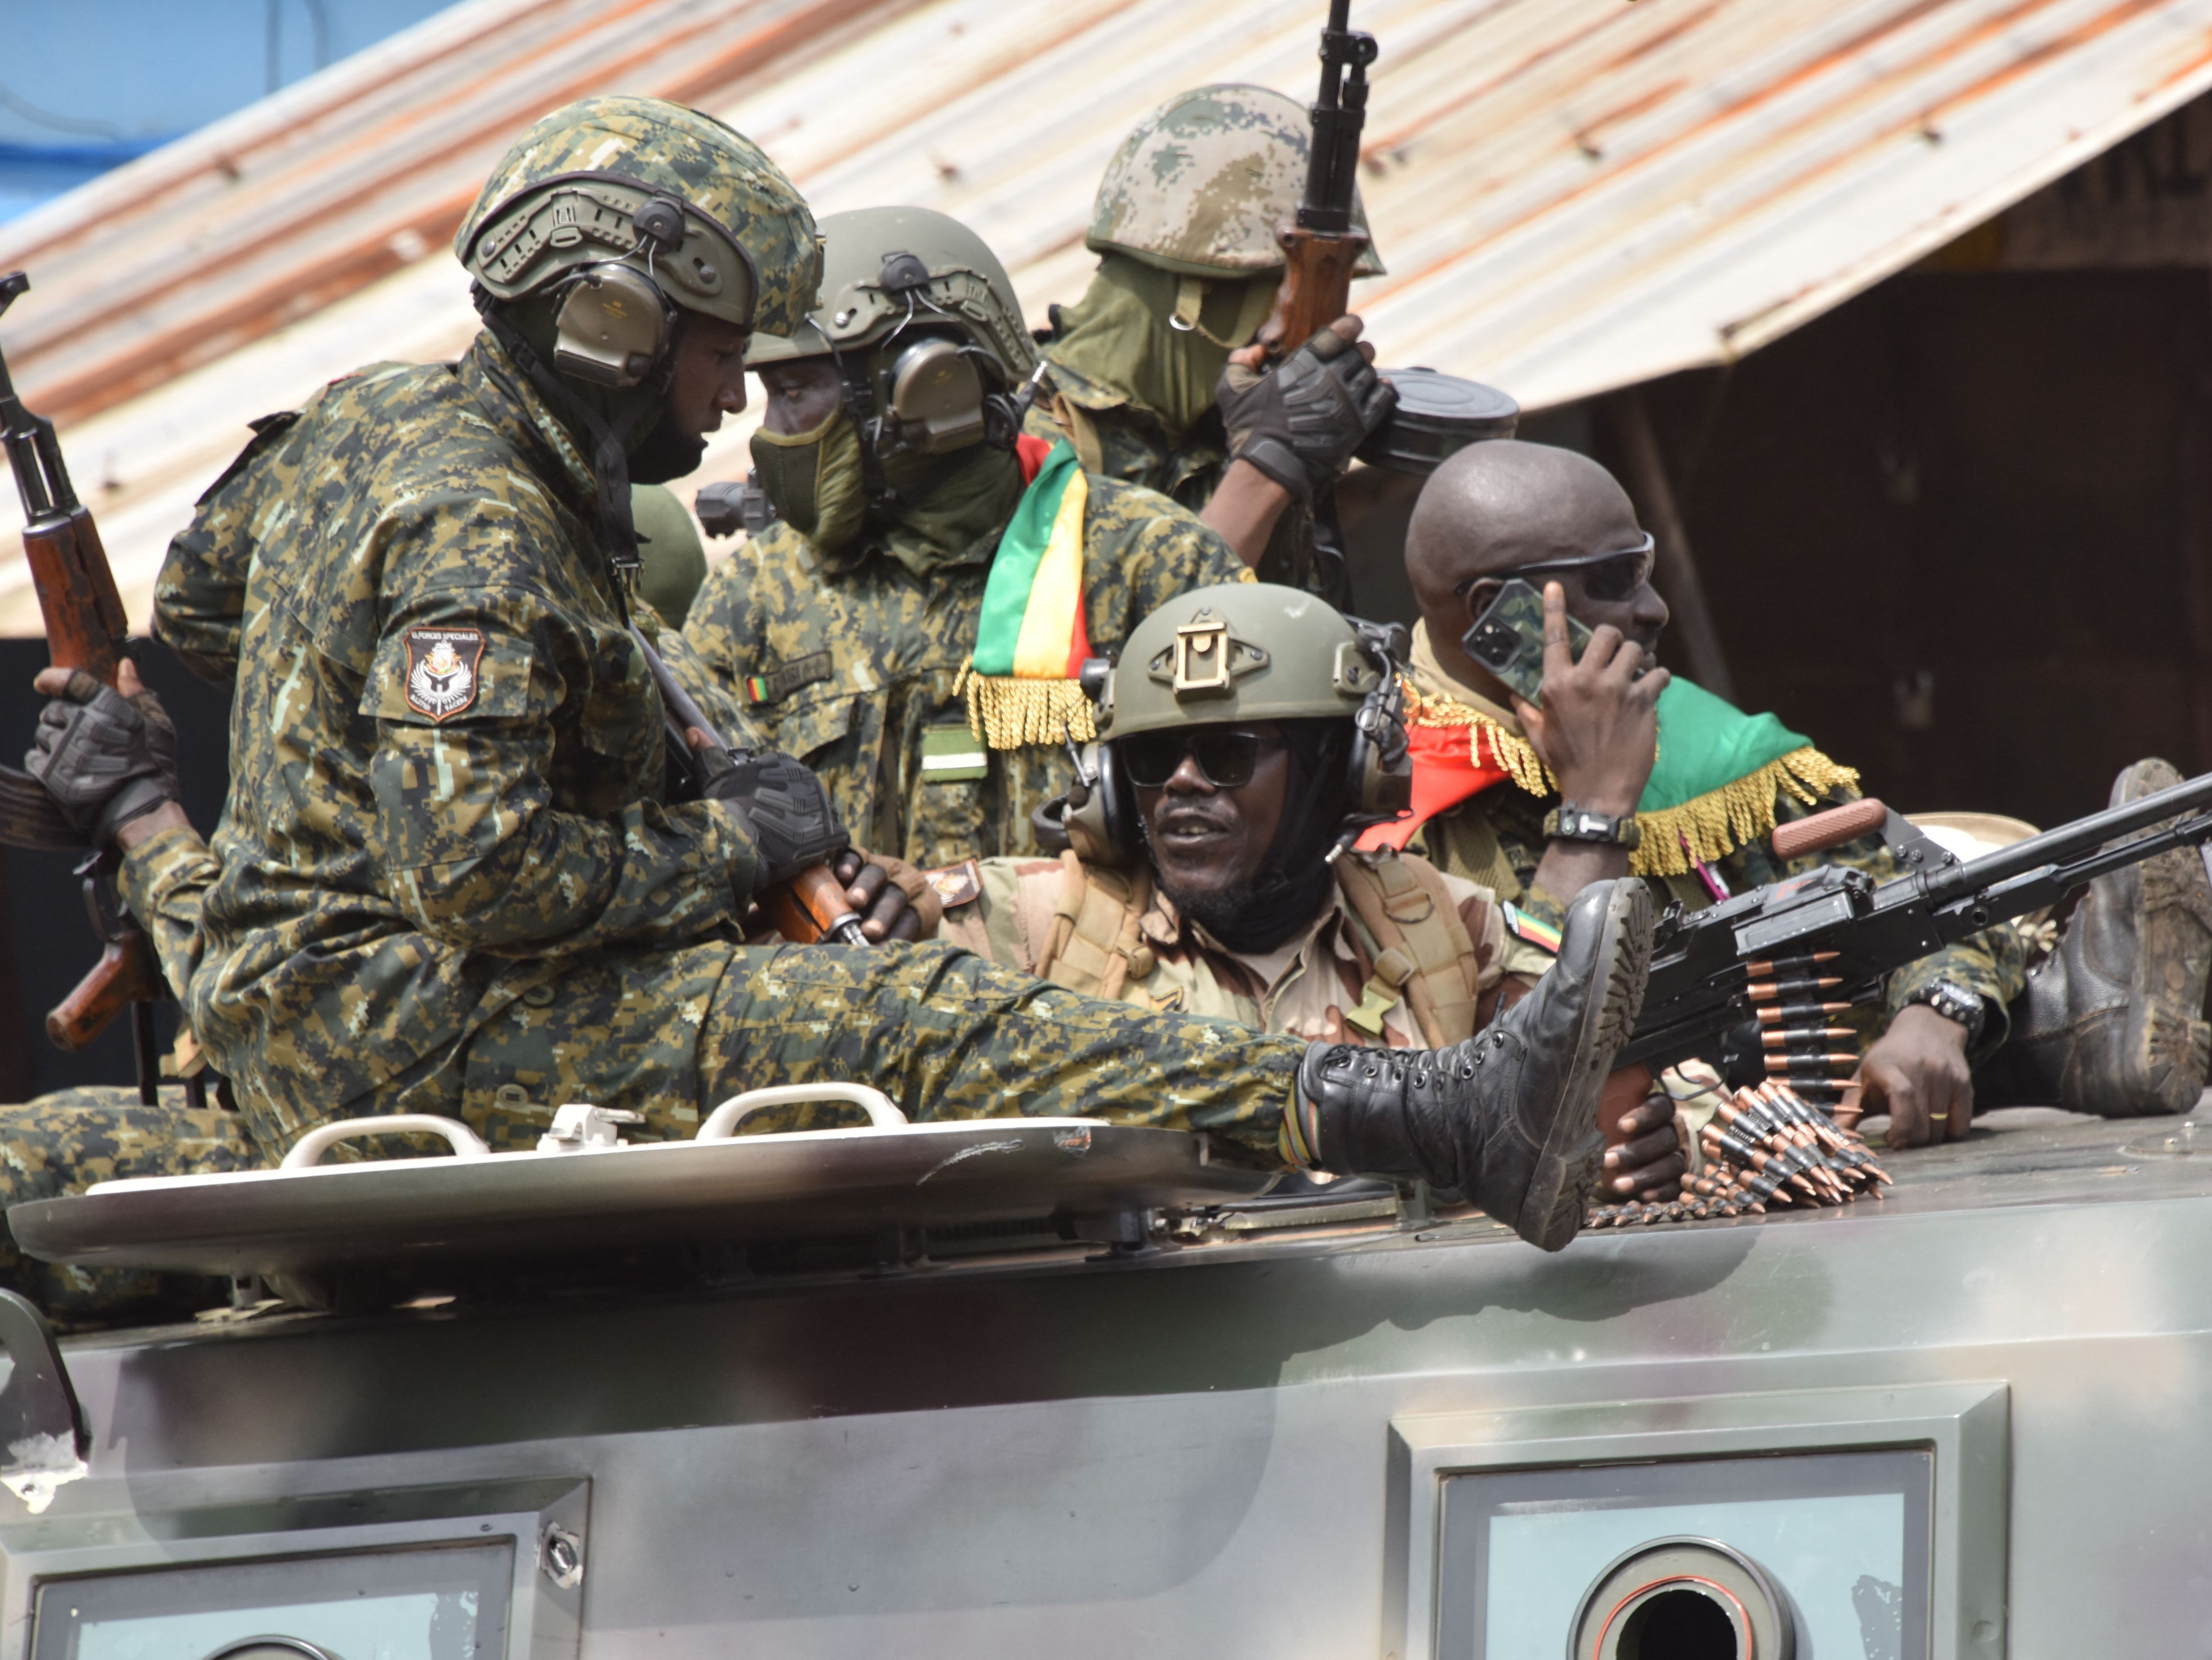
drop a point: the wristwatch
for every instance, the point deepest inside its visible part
(1568, 822)
(1954, 1002)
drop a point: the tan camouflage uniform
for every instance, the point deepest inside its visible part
(1304, 988)
(855, 661)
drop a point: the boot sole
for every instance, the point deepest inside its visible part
(1568, 1168)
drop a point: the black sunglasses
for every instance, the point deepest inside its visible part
(1605, 576)
(1227, 757)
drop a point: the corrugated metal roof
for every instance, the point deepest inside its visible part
(1571, 195)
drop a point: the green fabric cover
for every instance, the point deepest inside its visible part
(1707, 743)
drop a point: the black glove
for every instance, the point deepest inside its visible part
(1300, 422)
(784, 806)
(104, 758)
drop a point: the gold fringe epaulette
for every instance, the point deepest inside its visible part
(1715, 825)
(1007, 712)
(1699, 830)
(1509, 750)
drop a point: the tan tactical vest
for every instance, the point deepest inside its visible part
(1422, 958)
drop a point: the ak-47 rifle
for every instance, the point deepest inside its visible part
(1322, 246)
(1723, 976)
(808, 907)
(86, 628)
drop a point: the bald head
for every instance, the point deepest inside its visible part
(1494, 509)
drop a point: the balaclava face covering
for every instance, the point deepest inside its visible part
(1120, 335)
(1287, 892)
(813, 480)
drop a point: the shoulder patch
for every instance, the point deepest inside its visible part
(779, 683)
(441, 670)
(1535, 931)
(957, 884)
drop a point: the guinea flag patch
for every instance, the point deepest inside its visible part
(441, 670)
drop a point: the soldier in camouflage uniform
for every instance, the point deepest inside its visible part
(448, 878)
(849, 625)
(1704, 787)
(1184, 225)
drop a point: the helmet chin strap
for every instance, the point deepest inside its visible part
(610, 439)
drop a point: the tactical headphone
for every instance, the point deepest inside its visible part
(1101, 820)
(617, 324)
(936, 397)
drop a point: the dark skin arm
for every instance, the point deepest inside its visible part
(1917, 1074)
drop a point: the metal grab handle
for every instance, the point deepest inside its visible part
(309, 1148)
(722, 1123)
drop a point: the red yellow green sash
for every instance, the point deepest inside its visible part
(1031, 639)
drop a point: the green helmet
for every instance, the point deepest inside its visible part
(1200, 187)
(903, 290)
(1237, 652)
(735, 241)
(671, 562)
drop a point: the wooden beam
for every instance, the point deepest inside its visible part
(1677, 572)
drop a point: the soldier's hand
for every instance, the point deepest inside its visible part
(893, 900)
(108, 756)
(1598, 730)
(1917, 1074)
(784, 807)
(1300, 422)
(1649, 1164)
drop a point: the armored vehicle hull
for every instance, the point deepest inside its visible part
(1963, 1420)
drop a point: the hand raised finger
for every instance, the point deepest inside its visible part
(1558, 658)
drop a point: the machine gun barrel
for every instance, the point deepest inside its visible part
(1711, 969)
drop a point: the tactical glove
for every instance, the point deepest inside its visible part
(104, 759)
(1300, 422)
(785, 807)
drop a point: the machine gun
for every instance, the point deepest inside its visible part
(1726, 979)
(86, 628)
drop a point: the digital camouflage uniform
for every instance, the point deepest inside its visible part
(1497, 839)
(853, 663)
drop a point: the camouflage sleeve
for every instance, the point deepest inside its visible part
(199, 598)
(165, 879)
(1140, 550)
(472, 849)
(1993, 963)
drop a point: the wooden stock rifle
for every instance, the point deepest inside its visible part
(1321, 247)
(86, 628)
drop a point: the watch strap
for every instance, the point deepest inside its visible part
(1954, 1002)
(1568, 822)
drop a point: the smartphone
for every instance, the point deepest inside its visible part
(1508, 639)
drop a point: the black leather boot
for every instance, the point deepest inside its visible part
(2113, 1020)
(1509, 1116)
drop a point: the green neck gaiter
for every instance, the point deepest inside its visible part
(1120, 335)
(974, 501)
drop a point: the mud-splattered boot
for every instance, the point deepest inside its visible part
(1509, 1116)
(2113, 1020)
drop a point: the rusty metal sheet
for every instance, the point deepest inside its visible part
(1571, 195)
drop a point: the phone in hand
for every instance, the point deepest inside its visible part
(1508, 640)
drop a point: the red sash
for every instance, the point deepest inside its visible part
(1445, 774)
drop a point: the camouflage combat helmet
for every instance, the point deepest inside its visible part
(1199, 187)
(569, 192)
(1239, 650)
(886, 269)
(903, 290)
